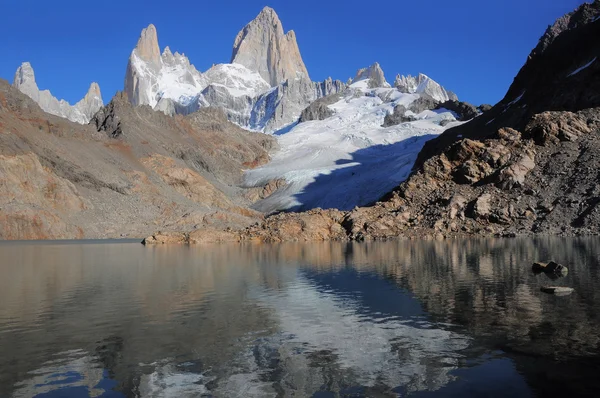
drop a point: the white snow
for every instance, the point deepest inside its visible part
(237, 79)
(516, 99)
(348, 159)
(576, 71)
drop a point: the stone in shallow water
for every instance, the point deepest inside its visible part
(557, 290)
(552, 269)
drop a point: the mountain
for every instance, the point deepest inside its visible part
(81, 112)
(150, 76)
(131, 169)
(527, 166)
(422, 84)
(170, 153)
(374, 74)
(263, 47)
(264, 88)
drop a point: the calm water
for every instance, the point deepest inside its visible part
(454, 318)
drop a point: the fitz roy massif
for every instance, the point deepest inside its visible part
(256, 150)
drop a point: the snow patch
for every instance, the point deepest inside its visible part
(576, 71)
(516, 99)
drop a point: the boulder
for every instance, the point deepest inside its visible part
(553, 269)
(557, 290)
(482, 207)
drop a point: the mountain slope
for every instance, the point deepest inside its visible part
(130, 170)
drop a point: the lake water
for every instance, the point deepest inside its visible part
(453, 318)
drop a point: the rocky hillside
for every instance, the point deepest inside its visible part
(129, 171)
(527, 166)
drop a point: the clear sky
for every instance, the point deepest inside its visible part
(472, 47)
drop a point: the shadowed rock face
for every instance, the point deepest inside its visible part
(81, 112)
(262, 46)
(463, 110)
(559, 75)
(130, 170)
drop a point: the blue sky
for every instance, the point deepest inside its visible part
(474, 48)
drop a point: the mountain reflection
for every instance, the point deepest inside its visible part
(408, 317)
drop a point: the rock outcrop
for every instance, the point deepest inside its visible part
(559, 75)
(81, 112)
(423, 84)
(282, 105)
(463, 110)
(400, 115)
(374, 74)
(319, 109)
(263, 47)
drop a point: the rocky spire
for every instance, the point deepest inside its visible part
(147, 46)
(147, 51)
(263, 47)
(25, 81)
(374, 73)
(81, 112)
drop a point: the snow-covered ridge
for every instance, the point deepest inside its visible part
(423, 84)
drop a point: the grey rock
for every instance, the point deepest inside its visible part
(557, 290)
(424, 103)
(263, 47)
(397, 117)
(463, 110)
(319, 109)
(482, 207)
(422, 84)
(374, 74)
(483, 108)
(81, 112)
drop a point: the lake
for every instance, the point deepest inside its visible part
(410, 318)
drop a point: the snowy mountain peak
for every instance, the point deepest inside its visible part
(147, 46)
(151, 76)
(375, 75)
(81, 112)
(423, 84)
(262, 47)
(94, 90)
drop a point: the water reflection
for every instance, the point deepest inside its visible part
(371, 319)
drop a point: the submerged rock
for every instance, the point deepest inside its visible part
(557, 290)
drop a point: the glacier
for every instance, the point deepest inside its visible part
(348, 159)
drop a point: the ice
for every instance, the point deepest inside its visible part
(576, 71)
(348, 159)
(516, 99)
